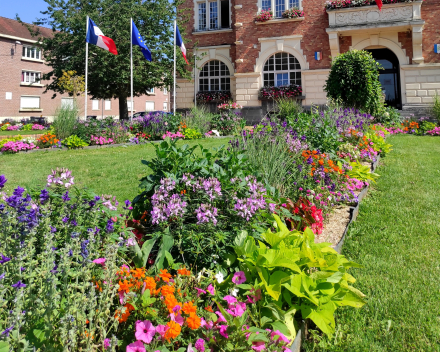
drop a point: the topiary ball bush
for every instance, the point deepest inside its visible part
(354, 81)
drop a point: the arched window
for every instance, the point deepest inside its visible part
(214, 76)
(281, 69)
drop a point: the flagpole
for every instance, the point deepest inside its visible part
(195, 77)
(174, 91)
(131, 64)
(87, 69)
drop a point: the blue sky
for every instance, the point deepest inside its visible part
(28, 10)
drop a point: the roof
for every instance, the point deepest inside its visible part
(14, 28)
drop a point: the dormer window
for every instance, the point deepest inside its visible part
(212, 15)
(278, 6)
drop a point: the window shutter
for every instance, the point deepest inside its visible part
(149, 106)
(30, 102)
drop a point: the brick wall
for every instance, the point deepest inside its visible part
(344, 44)
(431, 30)
(11, 66)
(405, 38)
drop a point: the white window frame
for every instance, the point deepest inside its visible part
(70, 102)
(95, 104)
(209, 77)
(151, 91)
(36, 77)
(165, 106)
(32, 108)
(165, 90)
(26, 51)
(129, 105)
(219, 16)
(107, 104)
(275, 71)
(154, 106)
(273, 7)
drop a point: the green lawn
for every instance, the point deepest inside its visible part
(23, 133)
(396, 237)
(114, 171)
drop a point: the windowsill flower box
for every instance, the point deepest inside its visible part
(341, 4)
(293, 13)
(264, 16)
(220, 96)
(271, 93)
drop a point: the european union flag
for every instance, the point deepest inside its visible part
(136, 39)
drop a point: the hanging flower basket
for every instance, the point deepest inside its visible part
(270, 93)
(220, 96)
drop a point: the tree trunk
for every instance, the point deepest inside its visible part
(123, 108)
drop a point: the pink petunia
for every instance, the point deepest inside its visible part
(221, 318)
(106, 343)
(100, 261)
(121, 296)
(145, 331)
(177, 318)
(211, 289)
(230, 299)
(199, 291)
(137, 346)
(280, 335)
(223, 329)
(161, 330)
(258, 346)
(239, 278)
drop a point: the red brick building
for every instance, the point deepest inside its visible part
(21, 92)
(242, 55)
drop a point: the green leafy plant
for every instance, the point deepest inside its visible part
(27, 127)
(361, 172)
(389, 116)
(354, 80)
(191, 133)
(74, 142)
(379, 143)
(199, 118)
(288, 108)
(295, 277)
(435, 108)
(65, 120)
(425, 126)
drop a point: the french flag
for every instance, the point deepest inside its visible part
(96, 37)
(179, 43)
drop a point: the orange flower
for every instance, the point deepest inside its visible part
(138, 273)
(164, 275)
(167, 290)
(193, 322)
(209, 309)
(170, 301)
(122, 317)
(184, 271)
(124, 286)
(189, 308)
(321, 162)
(150, 284)
(173, 330)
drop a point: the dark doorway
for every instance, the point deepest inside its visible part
(389, 76)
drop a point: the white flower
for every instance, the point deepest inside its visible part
(234, 292)
(220, 277)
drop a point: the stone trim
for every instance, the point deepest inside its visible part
(278, 20)
(212, 32)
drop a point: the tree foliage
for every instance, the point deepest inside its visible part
(108, 74)
(354, 81)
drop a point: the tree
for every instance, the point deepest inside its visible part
(108, 74)
(72, 83)
(354, 81)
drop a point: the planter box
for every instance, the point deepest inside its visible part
(355, 16)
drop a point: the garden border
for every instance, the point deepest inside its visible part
(102, 146)
(354, 211)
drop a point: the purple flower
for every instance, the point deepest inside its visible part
(206, 213)
(65, 219)
(74, 223)
(7, 331)
(65, 197)
(18, 284)
(110, 227)
(106, 343)
(44, 196)
(239, 278)
(53, 229)
(4, 259)
(200, 345)
(3, 180)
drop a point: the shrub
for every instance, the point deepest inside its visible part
(389, 117)
(199, 118)
(74, 142)
(354, 80)
(288, 108)
(228, 123)
(435, 108)
(65, 120)
(191, 133)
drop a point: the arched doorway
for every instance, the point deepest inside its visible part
(389, 76)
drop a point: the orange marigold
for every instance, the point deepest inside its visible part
(138, 273)
(150, 284)
(165, 275)
(193, 322)
(124, 286)
(189, 308)
(167, 290)
(184, 271)
(173, 330)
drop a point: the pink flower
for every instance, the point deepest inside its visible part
(258, 346)
(223, 329)
(137, 346)
(237, 310)
(211, 289)
(239, 278)
(121, 296)
(230, 299)
(208, 325)
(100, 261)
(280, 335)
(106, 343)
(178, 319)
(199, 291)
(144, 331)
(221, 318)
(161, 330)
(200, 345)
